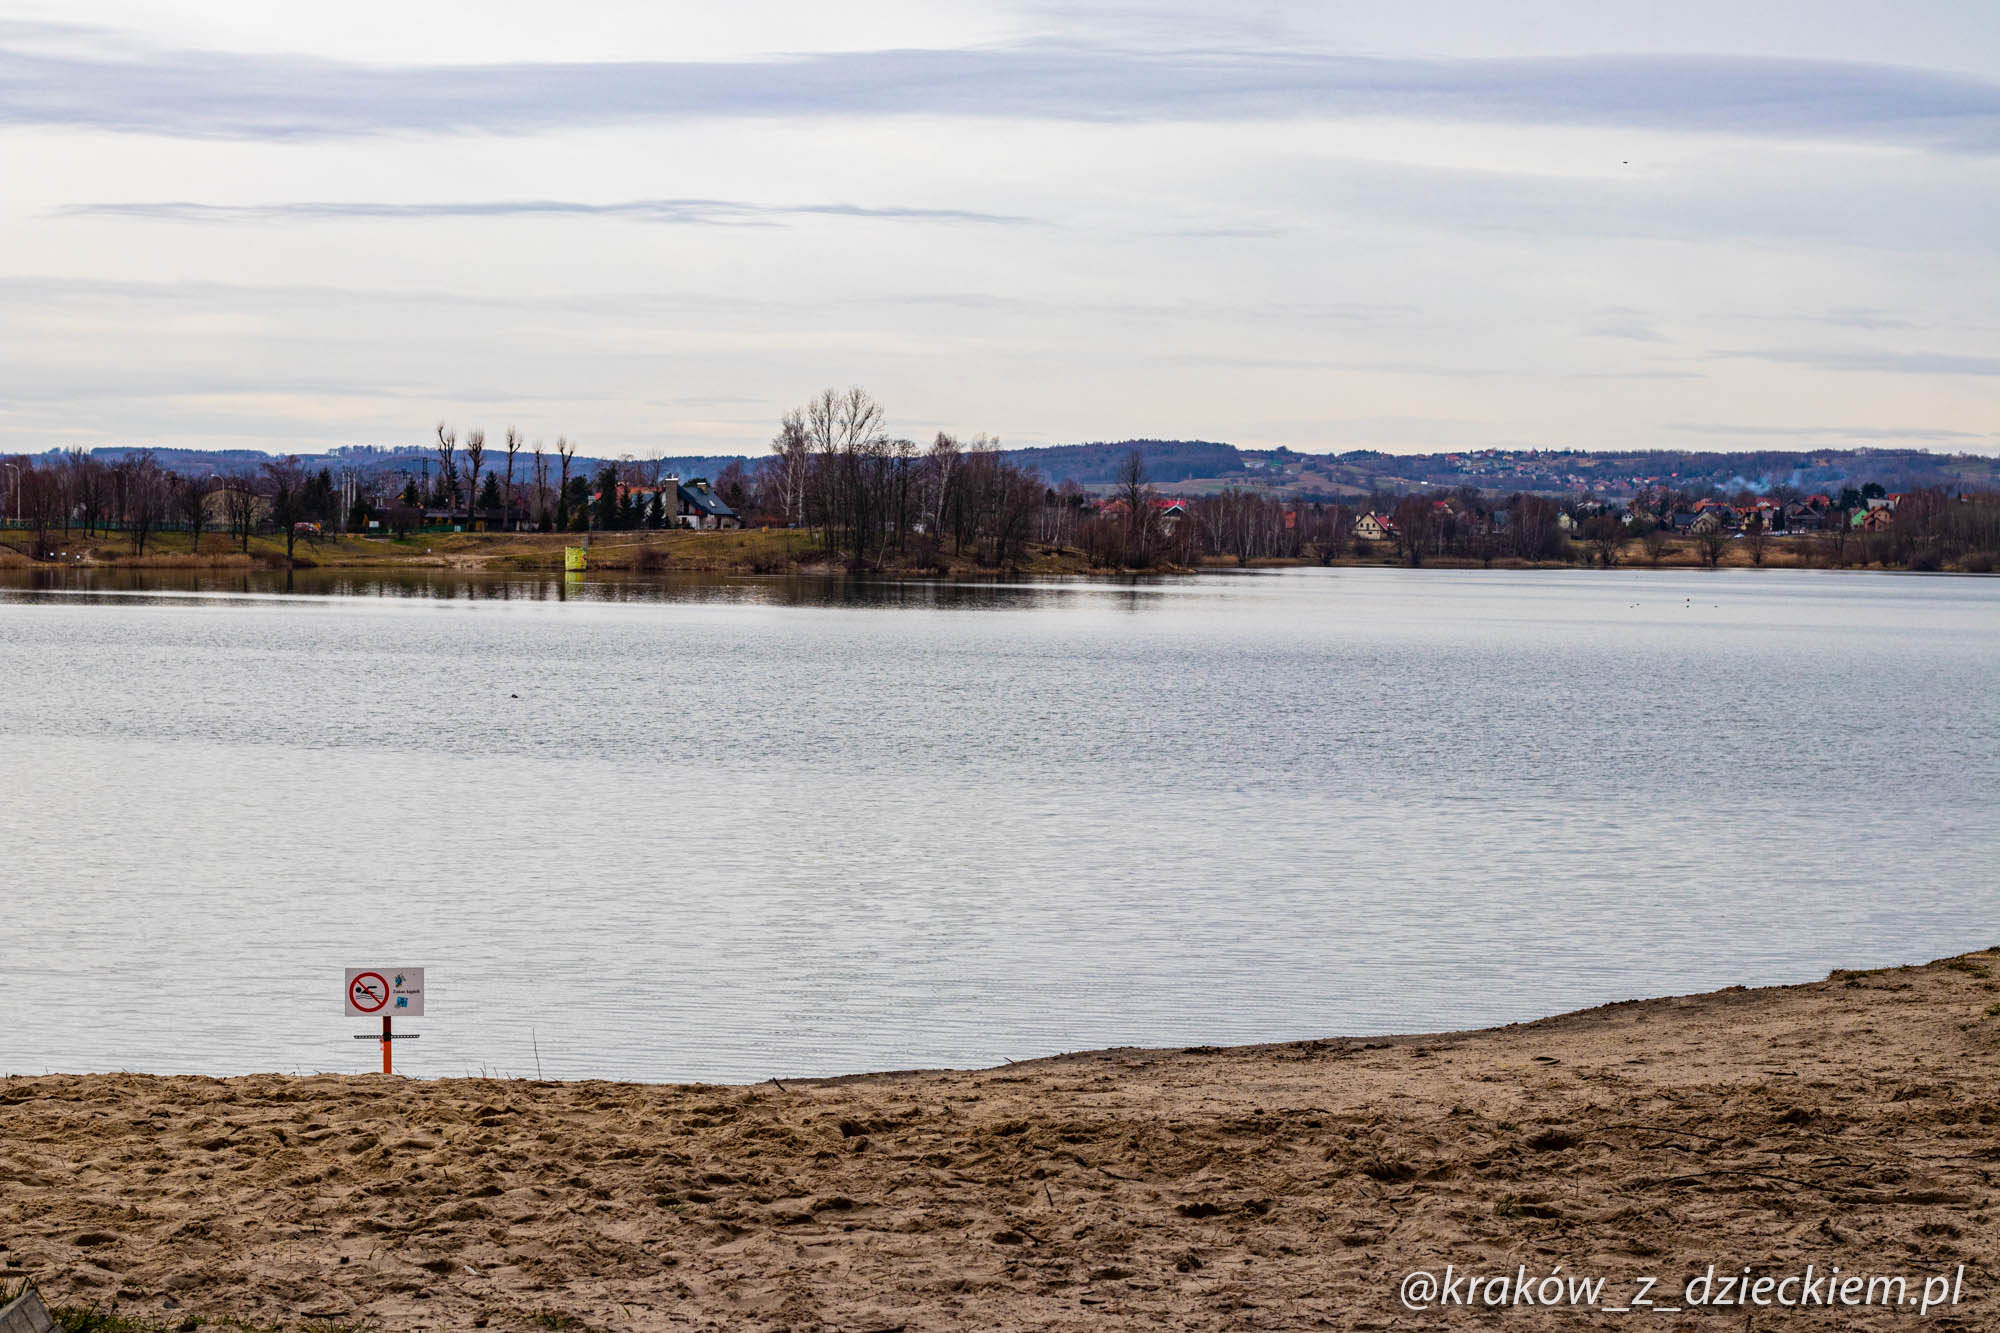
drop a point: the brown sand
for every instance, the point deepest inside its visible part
(1855, 1121)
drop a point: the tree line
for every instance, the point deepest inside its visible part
(873, 497)
(142, 499)
(872, 500)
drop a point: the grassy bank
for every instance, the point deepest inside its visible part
(754, 551)
(792, 551)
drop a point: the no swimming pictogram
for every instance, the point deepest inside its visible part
(367, 992)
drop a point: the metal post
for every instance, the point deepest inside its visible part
(387, 1039)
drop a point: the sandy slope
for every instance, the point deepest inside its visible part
(1855, 1121)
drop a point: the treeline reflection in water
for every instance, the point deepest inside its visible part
(609, 586)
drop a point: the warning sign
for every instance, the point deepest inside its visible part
(390, 992)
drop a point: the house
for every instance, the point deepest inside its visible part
(1759, 515)
(698, 506)
(1374, 527)
(1802, 518)
(215, 505)
(1877, 519)
(1168, 509)
(1708, 520)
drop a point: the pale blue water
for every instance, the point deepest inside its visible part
(725, 830)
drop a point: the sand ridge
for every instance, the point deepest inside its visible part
(1852, 1121)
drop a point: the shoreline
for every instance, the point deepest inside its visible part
(769, 552)
(1854, 1120)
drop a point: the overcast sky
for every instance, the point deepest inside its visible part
(1429, 224)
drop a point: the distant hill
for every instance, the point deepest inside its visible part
(1193, 467)
(1097, 464)
(371, 461)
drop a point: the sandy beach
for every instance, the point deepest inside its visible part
(1851, 1122)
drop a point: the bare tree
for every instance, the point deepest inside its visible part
(191, 502)
(1017, 494)
(475, 454)
(1655, 542)
(1139, 518)
(87, 482)
(792, 447)
(541, 486)
(239, 510)
(447, 452)
(1606, 536)
(507, 492)
(142, 490)
(41, 500)
(1416, 534)
(1756, 538)
(940, 465)
(287, 481)
(566, 451)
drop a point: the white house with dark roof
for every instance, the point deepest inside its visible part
(696, 505)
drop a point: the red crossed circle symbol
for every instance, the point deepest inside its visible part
(359, 993)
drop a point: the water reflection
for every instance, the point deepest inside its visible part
(608, 586)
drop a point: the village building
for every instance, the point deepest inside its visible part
(698, 506)
(1374, 527)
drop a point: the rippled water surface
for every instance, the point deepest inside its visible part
(728, 829)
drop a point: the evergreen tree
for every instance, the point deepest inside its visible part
(315, 498)
(608, 510)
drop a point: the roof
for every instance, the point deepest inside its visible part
(698, 496)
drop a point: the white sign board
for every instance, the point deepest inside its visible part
(385, 992)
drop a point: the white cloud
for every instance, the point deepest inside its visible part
(1291, 226)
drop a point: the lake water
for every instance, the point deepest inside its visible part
(727, 829)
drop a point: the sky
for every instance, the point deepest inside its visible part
(653, 227)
